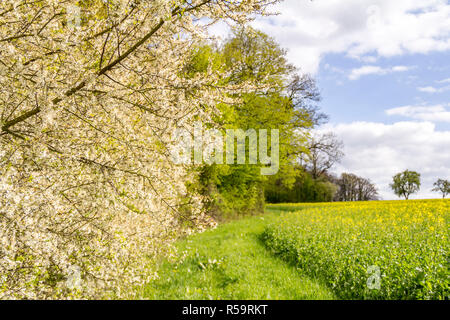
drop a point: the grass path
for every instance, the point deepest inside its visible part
(230, 262)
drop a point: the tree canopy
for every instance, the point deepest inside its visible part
(284, 101)
(442, 186)
(406, 183)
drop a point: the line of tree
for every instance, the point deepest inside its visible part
(354, 188)
(313, 181)
(289, 106)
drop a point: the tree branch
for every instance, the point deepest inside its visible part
(20, 118)
(103, 71)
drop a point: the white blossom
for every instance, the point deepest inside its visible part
(86, 116)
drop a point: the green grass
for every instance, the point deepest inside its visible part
(231, 262)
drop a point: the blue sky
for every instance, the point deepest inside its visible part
(383, 70)
(368, 97)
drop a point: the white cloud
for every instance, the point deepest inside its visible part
(366, 70)
(378, 151)
(444, 81)
(436, 113)
(369, 59)
(400, 68)
(428, 89)
(364, 29)
(431, 89)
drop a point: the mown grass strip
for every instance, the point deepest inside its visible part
(230, 262)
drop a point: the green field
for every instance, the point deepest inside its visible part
(358, 250)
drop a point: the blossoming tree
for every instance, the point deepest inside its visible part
(90, 94)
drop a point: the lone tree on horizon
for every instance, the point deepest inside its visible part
(442, 186)
(406, 183)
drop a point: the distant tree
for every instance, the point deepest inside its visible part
(366, 190)
(324, 150)
(354, 188)
(442, 186)
(304, 189)
(406, 183)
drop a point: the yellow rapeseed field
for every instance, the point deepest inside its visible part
(368, 250)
